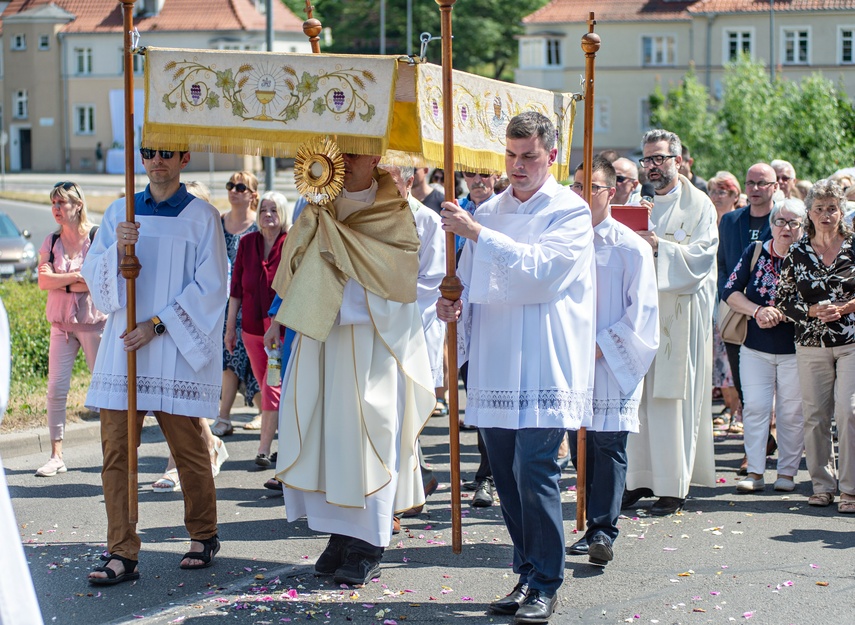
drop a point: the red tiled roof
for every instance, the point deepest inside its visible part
(564, 11)
(560, 11)
(762, 6)
(99, 16)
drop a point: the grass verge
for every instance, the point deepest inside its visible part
(28, 403)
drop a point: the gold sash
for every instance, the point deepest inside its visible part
(377, 246)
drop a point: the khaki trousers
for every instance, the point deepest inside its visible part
(183, 435)
(827, 377)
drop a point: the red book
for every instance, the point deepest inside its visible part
(634, 217)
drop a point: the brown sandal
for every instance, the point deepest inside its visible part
(821, 500)
(846, 506)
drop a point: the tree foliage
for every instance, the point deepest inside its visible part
(811, 123)
(484, 30)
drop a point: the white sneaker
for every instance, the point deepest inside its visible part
(750, 485)
(785, 485)
(52, 467)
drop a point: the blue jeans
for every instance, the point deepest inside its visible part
(526, 472)
(605, 479)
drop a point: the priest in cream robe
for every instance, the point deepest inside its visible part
(180, 305)
(627, 338)
(358, 386)
(526, 321)
(18, 602)
(674, 447)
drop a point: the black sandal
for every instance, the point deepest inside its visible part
(210, 547)
(128, 575)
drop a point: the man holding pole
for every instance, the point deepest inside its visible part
(358, 388)
(527, 330)
(181, 295)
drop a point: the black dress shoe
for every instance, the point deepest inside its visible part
(667, 505)
(600, 552)
(631, 497)
(579, 548)
(483, 497)
(333, 555)
(511, 603)
(537, 607)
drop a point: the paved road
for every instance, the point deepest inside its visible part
(768, 558)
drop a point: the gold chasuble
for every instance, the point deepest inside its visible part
(356, 395)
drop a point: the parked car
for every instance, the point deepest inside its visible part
(18, 256)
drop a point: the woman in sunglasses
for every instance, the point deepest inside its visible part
(239, 221)
(75, 323)
(817, 291)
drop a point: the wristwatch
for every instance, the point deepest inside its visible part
(159, 328)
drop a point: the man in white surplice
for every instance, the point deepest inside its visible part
(674, 447)
(180, 305)
(527, 329)
(627, 338)
(358, 387)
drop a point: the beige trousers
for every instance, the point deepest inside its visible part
(827, 378)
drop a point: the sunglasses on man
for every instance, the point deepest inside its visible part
(148, 153)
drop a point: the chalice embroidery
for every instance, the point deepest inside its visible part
(265, 92)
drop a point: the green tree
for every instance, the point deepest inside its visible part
(484, 30)
(686, 111)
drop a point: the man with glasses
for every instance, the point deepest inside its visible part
(674, 447)
(627, 187)
(736, 230)
(627, 338)
(786, 176)
(180, 300)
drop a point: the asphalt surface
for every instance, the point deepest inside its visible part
(767, 558)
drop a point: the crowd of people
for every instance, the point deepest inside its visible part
(621, 319)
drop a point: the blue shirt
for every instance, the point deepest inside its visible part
(145, 204)
(469, 206)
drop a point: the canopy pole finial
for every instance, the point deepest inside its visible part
(312, 28)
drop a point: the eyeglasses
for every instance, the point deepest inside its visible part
(719, 192)
(472, 174)
(784, 178)
(67, 186)
(828, 211)
(760, 184)
(239, 187)
(622, 179)
(595, 188)
(656, 159)
(794, 224)
(148, 153)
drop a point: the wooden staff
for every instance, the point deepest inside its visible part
(451, 287)
(312, 28)
(130, 265)
(590, 45)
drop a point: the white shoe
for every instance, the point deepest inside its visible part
(750, 485)
(52, 467)
(169, 483)
(220, 456)
(785, 485)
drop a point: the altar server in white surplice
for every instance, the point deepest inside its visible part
(18, 603)
(180, 304)
(674, 447)
(358, 387)
(527, 329)
(627, 338)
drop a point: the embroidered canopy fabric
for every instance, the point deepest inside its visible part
(270, 103)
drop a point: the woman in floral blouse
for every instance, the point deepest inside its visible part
(817, 291)
(767, 359)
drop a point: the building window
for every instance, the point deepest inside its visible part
(737, 43)
(658, 50)
(796, 42)
(847, 45)
(44, 42)
(84, 119)
(83, 60)
(553, 52)
(602, 115)
(540, 52)
(20, 105)
(19, 42)
(139, 63)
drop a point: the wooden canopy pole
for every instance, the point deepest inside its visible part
(590, 45)
(451, 287)
(130, 265)
(312, 28)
